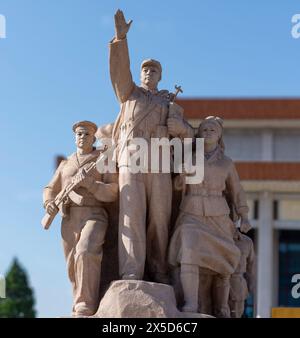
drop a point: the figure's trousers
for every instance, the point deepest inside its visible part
(236, 308)
(83, 234)
(145, 211)
(238, 294)
(189, 276)
(214, 293)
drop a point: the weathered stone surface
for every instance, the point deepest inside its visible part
(140, 299)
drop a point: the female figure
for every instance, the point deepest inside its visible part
(202, 243)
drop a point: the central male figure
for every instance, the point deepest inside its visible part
(145, 198)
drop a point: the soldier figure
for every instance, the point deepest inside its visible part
(202, 243)
(145, 198)
(83, 226)
(242, 281)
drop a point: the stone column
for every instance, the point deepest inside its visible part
(265, 256)
(267, 146)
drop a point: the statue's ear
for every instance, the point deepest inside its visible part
(95, 139)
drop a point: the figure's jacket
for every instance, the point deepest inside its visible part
(219, 194)
(144, 113)
(98, 193)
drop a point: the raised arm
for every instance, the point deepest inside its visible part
(119, 63)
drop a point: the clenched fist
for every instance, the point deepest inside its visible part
(176, 126)
(245, 225)
(51, 208)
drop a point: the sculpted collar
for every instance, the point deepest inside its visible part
(89, 157)
(146, 89)
(163, 93)
(217, 154)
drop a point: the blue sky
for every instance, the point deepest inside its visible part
(54, 71)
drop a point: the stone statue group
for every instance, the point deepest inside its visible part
(204, 247)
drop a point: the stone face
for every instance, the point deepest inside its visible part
(138, 299)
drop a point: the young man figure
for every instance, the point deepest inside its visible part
(83, 226)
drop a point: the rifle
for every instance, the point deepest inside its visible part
(68, 191)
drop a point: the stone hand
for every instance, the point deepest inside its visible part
(245, 225)
(121, 26)
(51, 208)
(175, 126)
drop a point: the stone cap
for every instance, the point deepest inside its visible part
(151, 62)
(87, 124)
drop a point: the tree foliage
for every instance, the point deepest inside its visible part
(19, 301)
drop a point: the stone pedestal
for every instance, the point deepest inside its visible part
(140, 299)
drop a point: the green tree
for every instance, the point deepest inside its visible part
(19, 301)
